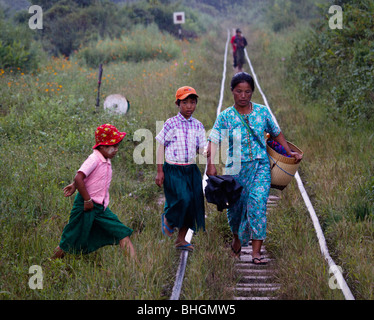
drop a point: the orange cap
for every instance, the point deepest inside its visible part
(184, 92)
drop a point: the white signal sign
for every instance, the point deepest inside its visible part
(179, 18)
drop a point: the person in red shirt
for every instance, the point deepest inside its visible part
(234, 50)
(240, 43)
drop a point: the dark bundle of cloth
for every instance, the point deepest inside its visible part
(223, 191)
(278, 148)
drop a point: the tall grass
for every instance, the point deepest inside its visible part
(47, 129)
(47, 121)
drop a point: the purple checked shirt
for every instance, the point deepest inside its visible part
(182, 138)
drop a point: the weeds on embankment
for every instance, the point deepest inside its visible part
(47, 126)
(46, 131)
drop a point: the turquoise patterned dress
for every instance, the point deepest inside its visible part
(248, 163)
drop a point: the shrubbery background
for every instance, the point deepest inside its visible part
(343, 59)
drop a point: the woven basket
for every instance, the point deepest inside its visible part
(283, 169)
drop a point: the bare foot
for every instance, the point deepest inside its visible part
(58, 253)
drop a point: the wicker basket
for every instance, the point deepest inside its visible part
(283, 169)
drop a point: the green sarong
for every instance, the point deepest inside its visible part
(88, 231)
(184, 205)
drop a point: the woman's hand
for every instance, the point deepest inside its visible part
(298, 157)
(211, 170)
(69, 190)
(282, 140)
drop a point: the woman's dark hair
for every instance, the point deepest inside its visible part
(240, 78)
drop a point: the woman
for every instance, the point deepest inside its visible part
(244, 125)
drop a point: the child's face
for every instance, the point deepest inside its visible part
(187, 107)
(109, 151)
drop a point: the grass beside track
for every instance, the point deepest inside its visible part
(47, 122)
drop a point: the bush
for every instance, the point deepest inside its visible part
(281, 15)
(338, 65)
(161, 14)
(16, 50)
(68, 25)
(285, 13)
(141, 44)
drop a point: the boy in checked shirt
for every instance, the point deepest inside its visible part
(181, 138)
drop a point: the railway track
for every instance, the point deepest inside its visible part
(257, 282)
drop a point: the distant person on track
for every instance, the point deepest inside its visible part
(244, 125)
(234, 51)
(92, 224)
(240, 43)
(181, 138)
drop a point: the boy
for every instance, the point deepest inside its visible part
(180, 139)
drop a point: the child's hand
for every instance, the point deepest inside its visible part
(88, 205)
(69, 190)
(160, 178)
(205, 152)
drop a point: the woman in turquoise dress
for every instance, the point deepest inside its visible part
(243, 125)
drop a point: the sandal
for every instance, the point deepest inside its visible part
(163, 225)
(236, 252)
(187, 247)
(260, 262)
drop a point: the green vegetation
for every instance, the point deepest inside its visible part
(140, 45)
(47, 125)
(16, 47)
(338, 65)
(337, 169)
(319, 85)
